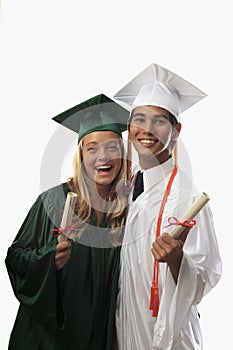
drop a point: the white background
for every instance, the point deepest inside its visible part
(55, 54)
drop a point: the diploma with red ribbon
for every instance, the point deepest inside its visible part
(188, 218)
(186, 221)
(60, 233)
(67, 216)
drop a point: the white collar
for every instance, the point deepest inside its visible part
(155, 175)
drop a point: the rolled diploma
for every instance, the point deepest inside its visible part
(67, 214)
(191, 213)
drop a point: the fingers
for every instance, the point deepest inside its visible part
(62, 246)
(62, 254)
(166, 248)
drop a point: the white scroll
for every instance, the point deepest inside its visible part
(191, 213)
(67, 214)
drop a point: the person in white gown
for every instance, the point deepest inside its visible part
(185, 268)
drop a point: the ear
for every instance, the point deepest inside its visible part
(176, 132)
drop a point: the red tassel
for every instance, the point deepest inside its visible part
(156, 303)
(154, 300)
(152, 296)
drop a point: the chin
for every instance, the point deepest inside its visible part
(105, 182)
(147, 153)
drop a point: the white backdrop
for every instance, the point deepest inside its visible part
(55, 54)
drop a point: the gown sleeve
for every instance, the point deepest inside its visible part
(30, 260)
(200, 271)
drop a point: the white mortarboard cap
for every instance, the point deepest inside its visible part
(157, 86)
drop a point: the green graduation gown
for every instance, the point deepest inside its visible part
(89, 283)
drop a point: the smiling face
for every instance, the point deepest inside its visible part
(152, 134)
(102, 157)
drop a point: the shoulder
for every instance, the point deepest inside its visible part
(185, 182)
(58, 191)
(54, 197)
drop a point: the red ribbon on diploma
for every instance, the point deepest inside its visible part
(174, 221)
(60, 230)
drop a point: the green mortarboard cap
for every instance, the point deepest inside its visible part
(99, 113)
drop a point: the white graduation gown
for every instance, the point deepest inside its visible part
(177, 324)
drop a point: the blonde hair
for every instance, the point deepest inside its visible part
(117, 199)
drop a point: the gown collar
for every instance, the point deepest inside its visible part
(157, 174)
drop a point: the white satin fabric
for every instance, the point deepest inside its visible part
(177, 325)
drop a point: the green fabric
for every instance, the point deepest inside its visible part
(98, 113)
(89, 284)
(101, 121)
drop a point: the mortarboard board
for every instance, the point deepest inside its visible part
(98, 113)
(158, 86)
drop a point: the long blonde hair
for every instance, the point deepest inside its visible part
(117, 198)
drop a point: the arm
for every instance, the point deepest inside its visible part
(30, 261)
(199, 272)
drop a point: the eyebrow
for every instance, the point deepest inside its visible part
(140, 114)
(94, 143)
(91, 143)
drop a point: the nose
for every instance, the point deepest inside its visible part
(148, 127)
(103, 154)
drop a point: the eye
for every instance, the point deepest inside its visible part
(139, 120)
(160, 120)
(113, 148)
(92, 149)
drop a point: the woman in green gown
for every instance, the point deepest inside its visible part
(67, 290)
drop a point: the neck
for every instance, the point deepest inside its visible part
(151, 161)
(98, 201)
(98, 193)
(103, 191)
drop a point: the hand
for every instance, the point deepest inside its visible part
(62, 254)
(170, 250)
(167, 249)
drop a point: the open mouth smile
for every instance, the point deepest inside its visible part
(104, 169)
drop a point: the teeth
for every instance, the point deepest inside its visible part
(147, 141)
(103, 167)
